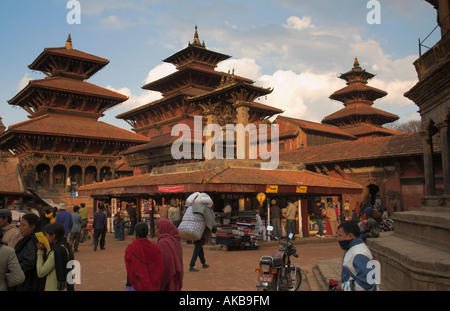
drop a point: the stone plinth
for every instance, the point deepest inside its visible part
(410, 266)
(416, 256)
(425, 227)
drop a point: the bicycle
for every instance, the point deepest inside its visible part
(87, 236)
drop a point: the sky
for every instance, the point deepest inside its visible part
(297, 47)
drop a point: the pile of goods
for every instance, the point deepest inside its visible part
(241, 233)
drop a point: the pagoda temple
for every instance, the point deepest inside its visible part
(358, 117)
(63, 136)
(194, 89)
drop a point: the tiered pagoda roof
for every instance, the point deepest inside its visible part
(64, 90)
(196, 52)
(64, 107)
(358, 117)
(68, 61)
(195, 76)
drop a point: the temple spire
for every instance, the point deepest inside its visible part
(356, 64)
(69, 43)
(196, 41)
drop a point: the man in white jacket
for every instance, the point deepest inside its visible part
(357, 264)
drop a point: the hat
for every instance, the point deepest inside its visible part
(369, 211)
(62, 206)
(5, 213)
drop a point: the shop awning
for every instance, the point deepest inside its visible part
(226, 176)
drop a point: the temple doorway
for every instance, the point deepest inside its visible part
(59, 176)
(42, 179)
(90, 175)
(373, 191)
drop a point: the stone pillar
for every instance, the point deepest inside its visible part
(211, 118)
(83, 176)
(445, 151)
(428, 163)
(51, 178)
(242, 109)
(242, 117)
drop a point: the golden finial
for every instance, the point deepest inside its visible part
(196, 39)
(69, 43)
(356, 63)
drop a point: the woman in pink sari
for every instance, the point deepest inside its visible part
(169, 243)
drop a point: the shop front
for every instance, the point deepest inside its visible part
(228, 182)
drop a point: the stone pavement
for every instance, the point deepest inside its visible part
(104, 270)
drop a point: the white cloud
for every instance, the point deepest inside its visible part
(295, 22)
(244, 67)
(301, 95)
(159, 72)
(23, 82)
(114, 22)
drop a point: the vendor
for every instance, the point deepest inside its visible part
(226, 213)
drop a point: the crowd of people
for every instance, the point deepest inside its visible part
(35, 252)
(29, 262)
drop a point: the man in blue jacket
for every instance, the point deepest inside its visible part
(357, 263)
(64, 218)
(100, 226)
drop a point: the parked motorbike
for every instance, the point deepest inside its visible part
(276, 272)
(387, 225)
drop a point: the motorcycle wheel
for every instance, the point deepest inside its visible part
(297, 276)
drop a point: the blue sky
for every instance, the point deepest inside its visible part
(297, 47)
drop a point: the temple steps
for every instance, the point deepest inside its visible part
(416, 256)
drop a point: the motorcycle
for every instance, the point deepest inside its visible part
(387, 225)
(276, 272)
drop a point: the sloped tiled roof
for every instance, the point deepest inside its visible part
(369, 129)
(371, 93)
(71, 53)
(382, 147)
(317, 127)
(225, 175)
(360, 110)
(69, 85)
(71, 126)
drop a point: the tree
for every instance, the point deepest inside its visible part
(412, 126)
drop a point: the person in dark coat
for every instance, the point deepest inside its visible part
(131, 210)
(100, 226)
(317, 215)
(26, 252)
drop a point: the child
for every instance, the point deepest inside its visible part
(54, 267)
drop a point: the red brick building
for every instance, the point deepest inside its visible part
(390, 168)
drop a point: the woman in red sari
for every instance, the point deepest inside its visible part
(143, 262)
(169, 242)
